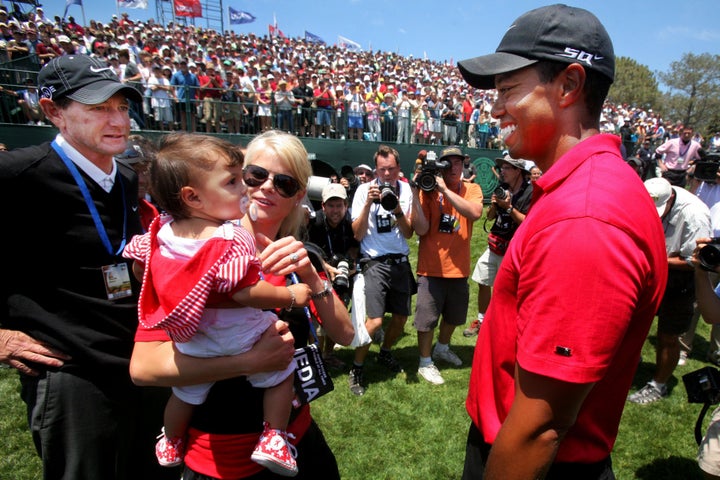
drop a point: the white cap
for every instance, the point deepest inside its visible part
(660, 191)
(333, 190)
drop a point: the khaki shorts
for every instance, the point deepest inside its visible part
(486, 268)
(709, 451)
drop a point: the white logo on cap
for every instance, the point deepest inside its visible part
(98, 70)
(580, 55)
(47, 92)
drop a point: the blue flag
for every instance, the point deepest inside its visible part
(238, 16)
(71, 2)
(312, 38)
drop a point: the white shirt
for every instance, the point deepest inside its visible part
(105, 180)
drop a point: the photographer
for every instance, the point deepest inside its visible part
(444, 223)
(708, 302)
(331, 230)
(508, 206)
(381, 223)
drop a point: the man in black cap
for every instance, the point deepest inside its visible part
(583, 276)
(69, 314)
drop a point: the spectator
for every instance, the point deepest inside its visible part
(285, 102)
(263, 97)
(211, 91)
(676, 155)
(356, 109)
(324, 99)
(304, 94)
(70, 334)
(708, 302)
(561, 406)
(382, 230)
(535, 173)
(444, 223)
(331, 229)
(186, 85)
(469, 170)
(139, 153)
(508, 209)
(388, 112)
(684, 218)
(162, 94)
(364, 173)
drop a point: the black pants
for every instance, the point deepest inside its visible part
(477, 452)
(95, 428)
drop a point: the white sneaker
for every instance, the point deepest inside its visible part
(448, 356)
(683, 358)
(431, 374)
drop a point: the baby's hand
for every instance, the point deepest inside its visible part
(302, 294)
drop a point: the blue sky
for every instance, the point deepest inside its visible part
(654, 33)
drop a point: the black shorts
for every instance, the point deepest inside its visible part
(388, 288)
(438, 296)
(676, 309)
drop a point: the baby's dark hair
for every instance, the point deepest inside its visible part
(181, 157)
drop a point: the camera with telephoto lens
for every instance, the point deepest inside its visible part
(342, 279)
(709, 255)
(429, 170)
(388, 197)
(500, 192)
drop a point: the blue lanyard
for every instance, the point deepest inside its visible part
(91, 205)
(294, 279)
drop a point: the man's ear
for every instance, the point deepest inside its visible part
(573, 81)
(52, 112)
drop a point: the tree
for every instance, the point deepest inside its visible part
(694, 91)
(635, 85)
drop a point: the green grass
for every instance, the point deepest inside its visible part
(405, 428)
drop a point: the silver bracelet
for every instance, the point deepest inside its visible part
(292, 299)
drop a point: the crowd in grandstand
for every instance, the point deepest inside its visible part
(248, 83)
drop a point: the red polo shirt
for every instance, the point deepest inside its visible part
(575, 296)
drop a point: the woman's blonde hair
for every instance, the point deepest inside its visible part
(291, 152)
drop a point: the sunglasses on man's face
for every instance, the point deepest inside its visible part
(255, 175)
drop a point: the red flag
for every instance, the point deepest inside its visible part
(188, 8)
(271, 30)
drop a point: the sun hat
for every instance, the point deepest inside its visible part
(517, 163)
(557, 32)
(82, 78)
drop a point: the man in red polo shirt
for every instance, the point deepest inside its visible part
(583, 277)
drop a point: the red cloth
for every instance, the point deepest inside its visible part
(574, 296)
(228, 456)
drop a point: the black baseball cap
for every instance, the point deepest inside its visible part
(557, 32)
(82, 78)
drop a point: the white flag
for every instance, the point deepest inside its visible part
(348, 44)
(133, 4)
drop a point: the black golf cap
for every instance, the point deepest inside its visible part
(558, 33)
(82, 78)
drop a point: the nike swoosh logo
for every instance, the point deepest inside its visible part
(98, 70)
(134, 208)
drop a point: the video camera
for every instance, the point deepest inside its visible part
(707, 168)
(429, 170)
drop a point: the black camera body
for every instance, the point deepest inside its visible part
(429, 170)
(709, 255)
(388, 197)
(703, 386)
(500, 192)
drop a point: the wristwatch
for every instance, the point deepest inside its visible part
(327, 290)
(510, 210)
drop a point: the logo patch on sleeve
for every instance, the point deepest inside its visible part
(564, 351)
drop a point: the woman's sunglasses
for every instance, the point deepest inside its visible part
(286, 186)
